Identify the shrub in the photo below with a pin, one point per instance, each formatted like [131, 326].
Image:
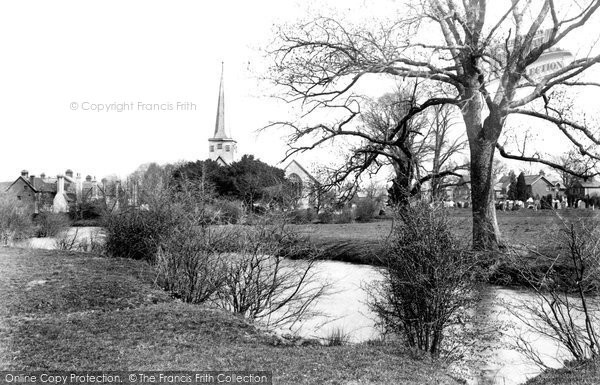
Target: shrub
[337, 337]
[564, 305]
[136, 234]
[50, 224]
[300, 216]
[365, 209]
[90, 210]
[429, 279]
[189, 264]
[344, 216]
[325, 217]
[15, 221]
[261, 283]
[92, 244]
[67, 241]
[228, 211]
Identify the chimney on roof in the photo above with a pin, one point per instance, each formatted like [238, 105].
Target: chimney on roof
[88, 178]
[32, 179]
[43, 176]
[25, 174]
[79, 188]
[542, 173]
[69, 173]
[60, 184]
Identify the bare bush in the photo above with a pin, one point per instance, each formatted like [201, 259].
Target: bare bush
[73, 241]
[15, 222]
[49, 224]
[261, 283]
[190, 265]
[366, 209]
[67, 242]
[565, 307]
[429, 280]
[137, 233]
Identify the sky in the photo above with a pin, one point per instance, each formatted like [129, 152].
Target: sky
[157, 61]
[63, 59]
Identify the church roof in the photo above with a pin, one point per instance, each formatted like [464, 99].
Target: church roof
[220, 131]
[298, 167]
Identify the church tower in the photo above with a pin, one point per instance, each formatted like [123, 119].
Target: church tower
[221, 147]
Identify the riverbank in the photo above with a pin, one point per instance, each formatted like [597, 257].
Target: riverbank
[576, 373]
[67, 311]
[528, 236]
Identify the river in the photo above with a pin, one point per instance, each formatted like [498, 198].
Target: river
[79, 234]
[490, 356]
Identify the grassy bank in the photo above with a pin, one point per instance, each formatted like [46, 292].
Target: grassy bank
[66, 311]
[530, 232]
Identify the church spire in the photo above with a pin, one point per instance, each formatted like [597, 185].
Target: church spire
[221, 146]
[220, 132]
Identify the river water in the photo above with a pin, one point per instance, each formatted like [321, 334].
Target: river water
[79, 234]
[490, 356]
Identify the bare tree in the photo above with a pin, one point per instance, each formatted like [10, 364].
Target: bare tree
[572, 160]
[442, 148]
[422, 151]
[485, 63]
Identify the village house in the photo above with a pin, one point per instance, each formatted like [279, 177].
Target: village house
[58, 194]
[501, 188]
[582, 189]
[539, 186]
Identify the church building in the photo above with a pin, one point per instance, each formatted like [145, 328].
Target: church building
[221, 147]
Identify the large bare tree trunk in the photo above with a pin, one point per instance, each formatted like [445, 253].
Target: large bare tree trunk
[483, 136]
[486, 235]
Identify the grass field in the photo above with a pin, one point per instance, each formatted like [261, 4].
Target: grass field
[362, 242]
[519, 227]
[67, 311]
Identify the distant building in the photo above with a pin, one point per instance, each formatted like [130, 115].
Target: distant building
[501, 187]
[584, 189]
[539, 186]
[221, 147]
[55, 194]
[304, 183]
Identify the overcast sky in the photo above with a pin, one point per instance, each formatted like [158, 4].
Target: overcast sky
[62, 60]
